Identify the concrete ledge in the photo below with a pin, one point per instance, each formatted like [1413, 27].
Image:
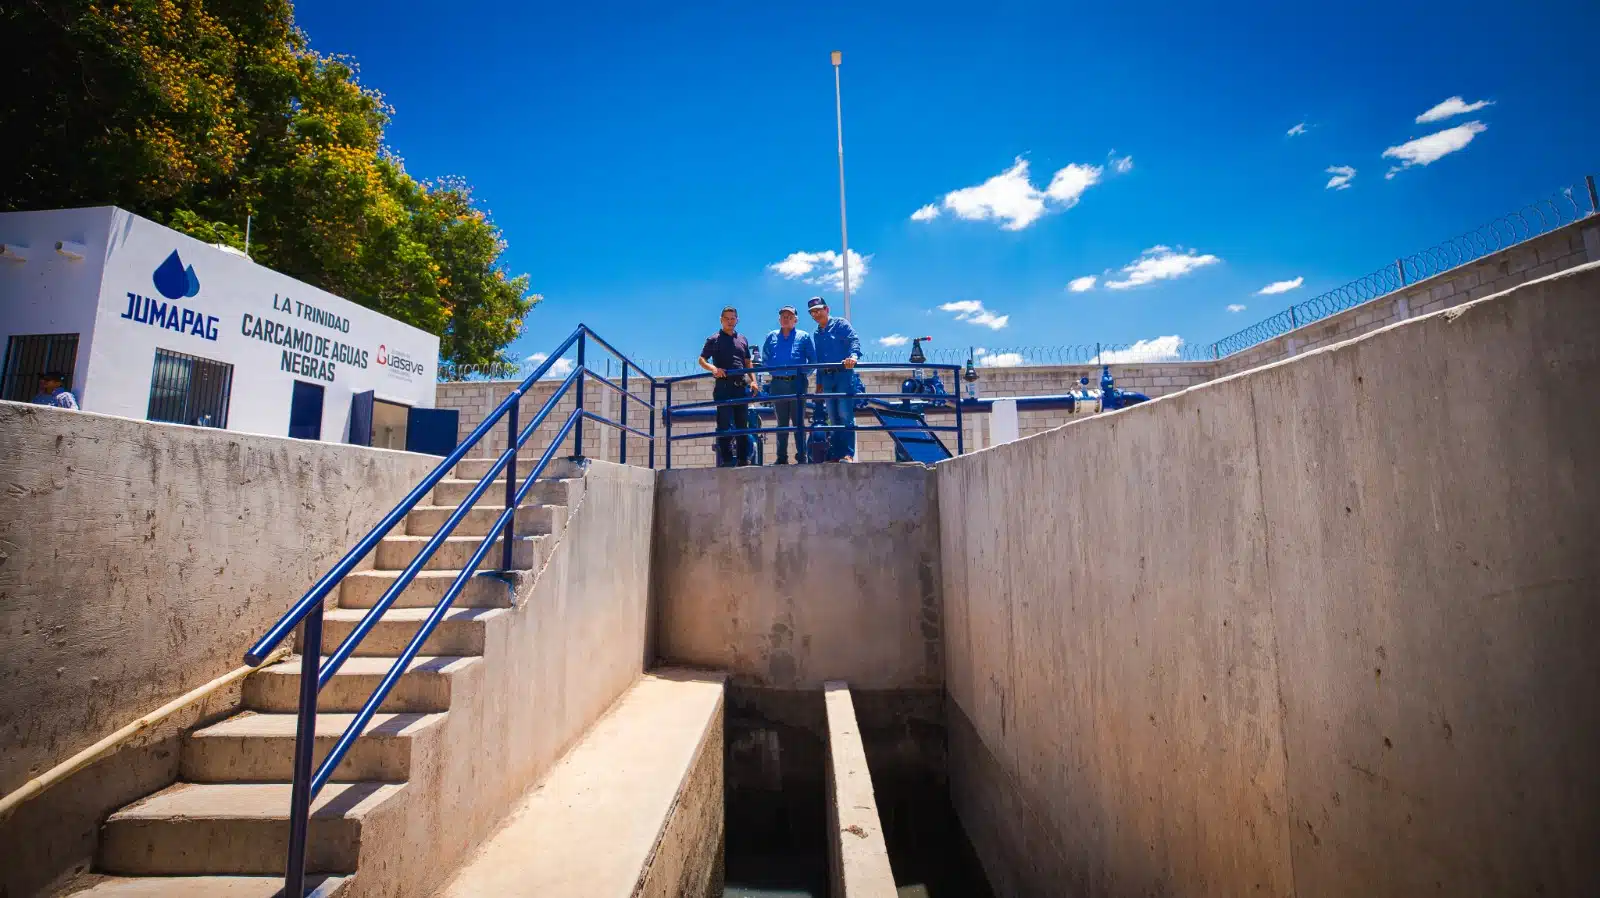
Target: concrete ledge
[857, 855]
[635, 809]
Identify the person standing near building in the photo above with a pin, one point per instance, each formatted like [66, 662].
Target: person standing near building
[788, 345]
[728, 350]
[53, 392]
[836, 342]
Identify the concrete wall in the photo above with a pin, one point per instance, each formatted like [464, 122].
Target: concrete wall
[1325, 628]
[790, 577]
[138, 561]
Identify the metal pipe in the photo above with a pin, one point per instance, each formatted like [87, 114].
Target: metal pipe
[961, 433]
[652, 424]
[622, 440]
[844, 229]
[511, 487]
[577, 436]
[305, 738]
[667, 423]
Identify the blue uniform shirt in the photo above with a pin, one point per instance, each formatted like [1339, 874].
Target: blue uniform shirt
[836, 342]
[778, 350]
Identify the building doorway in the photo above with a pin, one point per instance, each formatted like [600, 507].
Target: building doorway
[305, 411]
[389, 420]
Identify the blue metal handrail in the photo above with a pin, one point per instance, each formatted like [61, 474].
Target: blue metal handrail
[315, 673]
[672, 410]
[336, 574]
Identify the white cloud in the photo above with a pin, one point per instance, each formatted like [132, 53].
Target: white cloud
[1281, 287]
[980, 351]
[1120, 165]
[1159, 263]
[894, 340]
[1011, 198]
[824, 268]
[560, 368]
[1160, 349]
[1001, 360]
[1451, 107]
[973, 312]
[1342, 175]
[1083, 284]
[1297, 130]
[1236, 307]
[1435, 146]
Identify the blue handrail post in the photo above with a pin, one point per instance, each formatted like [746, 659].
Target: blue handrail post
[511, 485]
[652, 423]
[961, 432]
[622, 438]
[583, 374]
[802, 452]
[305, 737]
[667, 422]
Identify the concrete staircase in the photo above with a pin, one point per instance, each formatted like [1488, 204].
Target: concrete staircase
[222, 830]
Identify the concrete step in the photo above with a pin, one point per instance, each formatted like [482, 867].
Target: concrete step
[423, 688]
[195, 829]
[484, 590]
[450, 493]
[532, 520]
[635, 808]
[210, 887]
[460, 633]
[558, 469]
[259, 748]
[395, 552]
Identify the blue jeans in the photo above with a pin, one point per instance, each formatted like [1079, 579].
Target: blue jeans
[841, 443]
[788, 411]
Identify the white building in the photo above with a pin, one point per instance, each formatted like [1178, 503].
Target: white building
[152, 324]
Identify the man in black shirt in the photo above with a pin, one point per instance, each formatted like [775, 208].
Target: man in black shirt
[728, 350]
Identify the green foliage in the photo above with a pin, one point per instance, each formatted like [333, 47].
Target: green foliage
[197, 113]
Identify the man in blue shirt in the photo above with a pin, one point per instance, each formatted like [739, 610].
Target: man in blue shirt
[53, 392]
[836, 341]
[787, 345]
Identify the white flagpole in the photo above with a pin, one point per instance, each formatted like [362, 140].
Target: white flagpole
[844, 230]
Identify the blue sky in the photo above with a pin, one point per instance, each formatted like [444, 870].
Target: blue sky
[650, 163]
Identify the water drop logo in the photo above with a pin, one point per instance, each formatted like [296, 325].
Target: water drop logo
[173, 280]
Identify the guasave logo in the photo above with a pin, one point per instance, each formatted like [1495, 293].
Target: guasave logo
[173, 280]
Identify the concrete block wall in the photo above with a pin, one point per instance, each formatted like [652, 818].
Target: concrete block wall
[1327, 632]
